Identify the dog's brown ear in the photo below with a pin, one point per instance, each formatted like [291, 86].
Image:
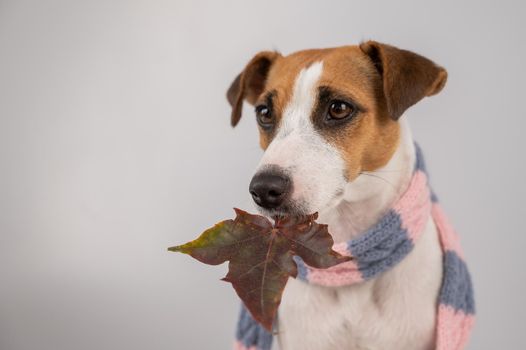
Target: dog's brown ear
[249, 84]
[407, 77]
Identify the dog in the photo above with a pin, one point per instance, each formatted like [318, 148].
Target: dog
[336, 142]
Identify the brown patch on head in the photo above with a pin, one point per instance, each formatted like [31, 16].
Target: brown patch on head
[280, 83]
[381, 81]
[269, 74]
[369, 138]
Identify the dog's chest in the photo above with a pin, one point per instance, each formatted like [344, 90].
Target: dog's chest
[394, 311]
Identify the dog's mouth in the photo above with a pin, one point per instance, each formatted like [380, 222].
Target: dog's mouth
[284, 210]
[299, 208]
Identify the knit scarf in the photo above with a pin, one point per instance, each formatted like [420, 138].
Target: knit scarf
[380, 248]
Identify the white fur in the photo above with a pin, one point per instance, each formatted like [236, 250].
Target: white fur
[315, 166]
[396, 310]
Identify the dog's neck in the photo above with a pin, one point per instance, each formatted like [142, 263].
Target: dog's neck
[371, 194]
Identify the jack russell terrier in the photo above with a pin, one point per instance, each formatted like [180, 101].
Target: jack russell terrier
[330, 122]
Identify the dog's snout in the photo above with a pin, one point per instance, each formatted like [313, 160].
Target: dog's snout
[269, 189]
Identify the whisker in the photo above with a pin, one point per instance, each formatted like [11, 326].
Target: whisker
[347, 218]
[381, 178]
[384, 171]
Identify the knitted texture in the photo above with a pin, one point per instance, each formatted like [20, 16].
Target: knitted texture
[380, 248]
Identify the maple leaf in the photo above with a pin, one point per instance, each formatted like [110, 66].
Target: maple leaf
[260, 255]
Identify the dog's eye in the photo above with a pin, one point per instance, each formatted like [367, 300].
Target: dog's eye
[264, 116]
[339, 110]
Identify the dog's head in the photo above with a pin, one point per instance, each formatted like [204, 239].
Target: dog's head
[326, 116]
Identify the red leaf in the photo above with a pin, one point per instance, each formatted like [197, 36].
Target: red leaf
[260, 256]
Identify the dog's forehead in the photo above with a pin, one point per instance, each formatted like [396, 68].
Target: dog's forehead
[344, 68]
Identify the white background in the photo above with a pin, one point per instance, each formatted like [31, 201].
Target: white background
[115, 143]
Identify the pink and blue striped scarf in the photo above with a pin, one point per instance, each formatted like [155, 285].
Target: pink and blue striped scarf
[380, 248]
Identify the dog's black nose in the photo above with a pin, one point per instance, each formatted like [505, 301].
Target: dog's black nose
[269, 188]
